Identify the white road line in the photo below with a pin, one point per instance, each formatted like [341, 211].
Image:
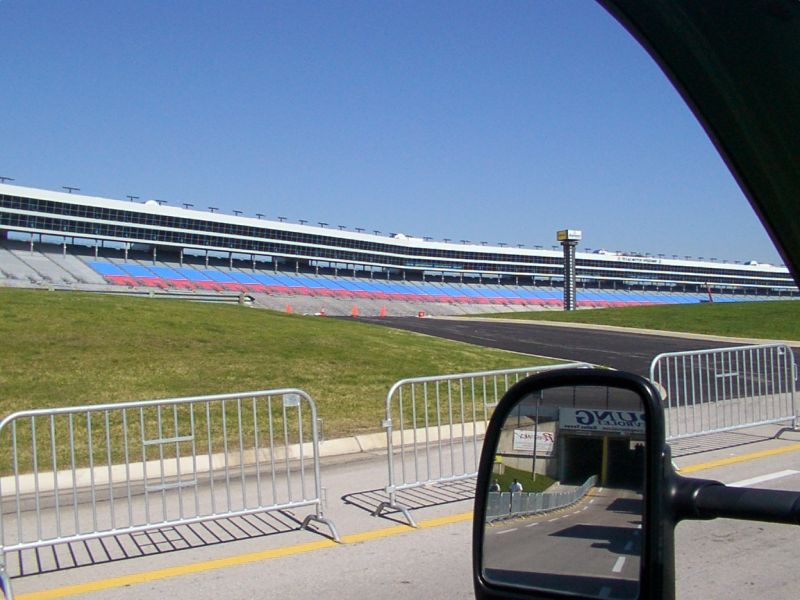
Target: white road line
[506, 531]
[618, 565]
[553, 520]
[763, 478]
[531, 525]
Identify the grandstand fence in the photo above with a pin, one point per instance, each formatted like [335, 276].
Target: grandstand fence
[711, 391]
[434, 425]
[153, 464]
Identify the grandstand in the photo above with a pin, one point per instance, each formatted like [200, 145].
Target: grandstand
[70, 241]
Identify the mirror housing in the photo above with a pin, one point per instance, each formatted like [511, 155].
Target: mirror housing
[656, 567]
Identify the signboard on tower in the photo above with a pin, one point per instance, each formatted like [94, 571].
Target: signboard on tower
[569, 235]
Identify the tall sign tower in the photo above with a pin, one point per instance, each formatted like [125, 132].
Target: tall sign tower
[569, 239]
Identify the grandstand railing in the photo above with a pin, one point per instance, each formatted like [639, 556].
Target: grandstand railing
[710, 391]
[434, 425]
[74, 474]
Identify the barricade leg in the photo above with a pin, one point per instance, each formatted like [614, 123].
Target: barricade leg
[392, 503]
[319, 518]
[5, 584]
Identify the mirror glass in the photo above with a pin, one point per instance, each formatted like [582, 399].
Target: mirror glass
[564, 504]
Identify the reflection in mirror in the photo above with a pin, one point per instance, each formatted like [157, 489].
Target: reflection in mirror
[564, 506]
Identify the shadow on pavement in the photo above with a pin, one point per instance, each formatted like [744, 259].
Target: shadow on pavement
[71, 555]
[718, 441]
[415, 498]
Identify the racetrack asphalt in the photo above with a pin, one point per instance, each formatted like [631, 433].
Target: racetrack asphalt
[624, 350]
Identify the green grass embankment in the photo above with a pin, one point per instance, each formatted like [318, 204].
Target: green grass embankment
[773, 320]
[66, 349]
[539, 483]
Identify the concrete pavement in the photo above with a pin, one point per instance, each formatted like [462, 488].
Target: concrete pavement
[391, 560]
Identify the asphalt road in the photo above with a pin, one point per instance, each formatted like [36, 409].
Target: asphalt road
[620, 350]
[592, 547]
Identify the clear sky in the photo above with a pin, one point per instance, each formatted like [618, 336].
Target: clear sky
[476, 120]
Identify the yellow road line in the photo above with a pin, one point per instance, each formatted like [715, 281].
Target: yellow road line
[732, 460]
[232, 561]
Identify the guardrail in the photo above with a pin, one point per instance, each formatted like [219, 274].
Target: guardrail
[433, 425]
[710, 391]
[506, 505]
[87, 472]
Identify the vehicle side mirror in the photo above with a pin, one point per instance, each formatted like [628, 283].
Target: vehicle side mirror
[570, 496]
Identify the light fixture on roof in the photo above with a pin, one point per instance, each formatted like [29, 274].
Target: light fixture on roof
[132, 198]
[4, 179]
[70, 189]
[259, 215]
[281, 219]
[188, 205]
[213, 208]
[236, 213]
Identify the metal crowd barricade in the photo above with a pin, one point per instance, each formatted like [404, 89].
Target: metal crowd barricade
[74, 474]
[433, 426]
[710, 391]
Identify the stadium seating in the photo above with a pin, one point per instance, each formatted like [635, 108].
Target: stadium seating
[424, 296]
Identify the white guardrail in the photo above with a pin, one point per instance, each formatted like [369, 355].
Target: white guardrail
[146, 465]
[434, 426]
[507, 505]
[710, 391]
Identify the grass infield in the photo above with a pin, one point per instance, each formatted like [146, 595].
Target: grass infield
[774, 320]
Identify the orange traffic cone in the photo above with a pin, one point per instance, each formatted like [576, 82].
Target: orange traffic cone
[354, 312]
[288, 309]
[383, 311]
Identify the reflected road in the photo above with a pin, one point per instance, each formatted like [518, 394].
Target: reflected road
[594, 545]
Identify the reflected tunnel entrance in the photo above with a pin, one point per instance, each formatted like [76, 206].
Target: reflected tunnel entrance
[617, 461]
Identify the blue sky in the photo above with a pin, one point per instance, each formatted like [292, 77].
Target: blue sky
[485, 121]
